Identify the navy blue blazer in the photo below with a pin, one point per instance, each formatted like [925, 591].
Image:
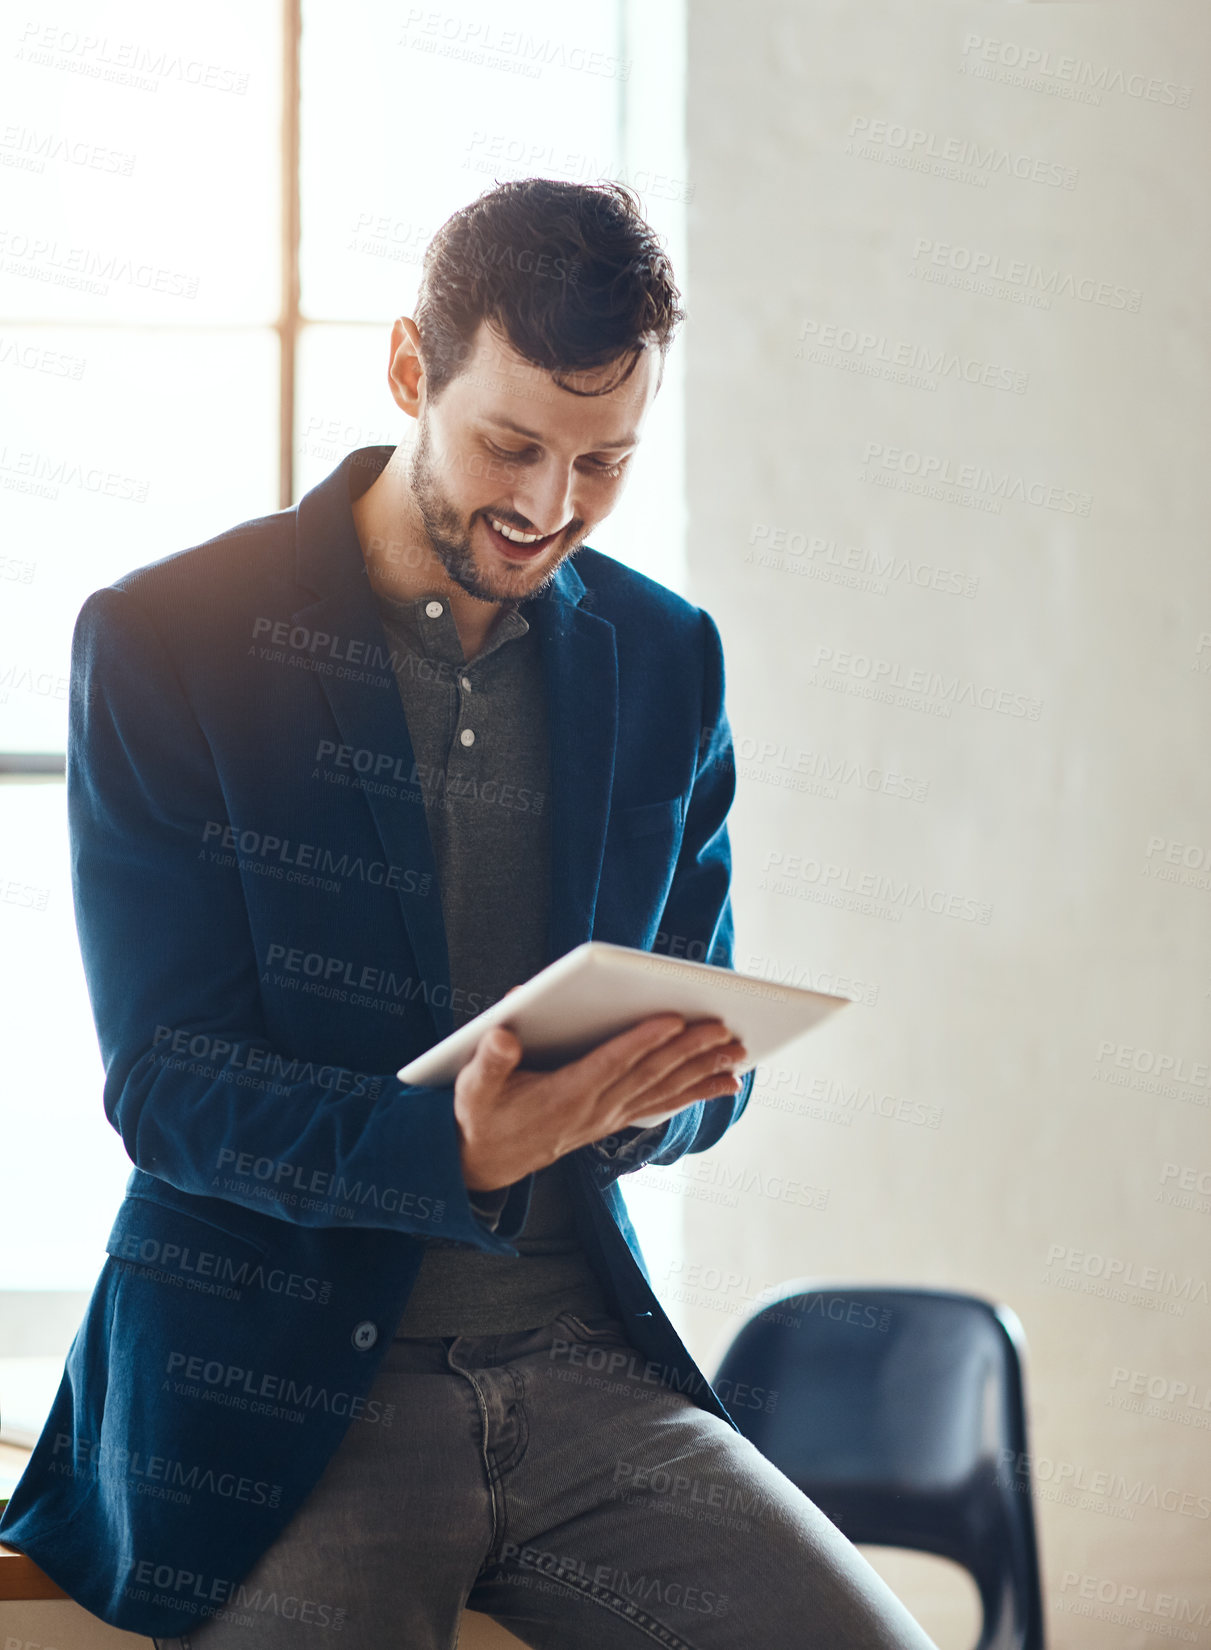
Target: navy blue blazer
[261, 930]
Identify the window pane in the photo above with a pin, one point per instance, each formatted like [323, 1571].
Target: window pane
[343, 399]
[443, 105]
[141, 162]
[63, 1166]
[116, 448]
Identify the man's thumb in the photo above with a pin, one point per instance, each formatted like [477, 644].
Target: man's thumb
[501, 1048]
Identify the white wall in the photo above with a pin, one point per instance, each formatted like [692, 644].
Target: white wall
[1054, 802]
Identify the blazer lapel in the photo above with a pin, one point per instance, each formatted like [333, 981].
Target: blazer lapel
[367, 708]
[580, 671]
[370, 716]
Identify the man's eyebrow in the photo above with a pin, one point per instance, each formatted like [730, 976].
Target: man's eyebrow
[630, 440]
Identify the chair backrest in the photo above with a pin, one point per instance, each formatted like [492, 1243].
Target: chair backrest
[900, 1413]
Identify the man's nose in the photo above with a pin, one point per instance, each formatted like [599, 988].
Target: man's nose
[545, 500]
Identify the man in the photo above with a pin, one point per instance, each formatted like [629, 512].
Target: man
[337, 779]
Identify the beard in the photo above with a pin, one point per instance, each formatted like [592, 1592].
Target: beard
[451, 541]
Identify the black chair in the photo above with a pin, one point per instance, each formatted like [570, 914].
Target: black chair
[900, 1413]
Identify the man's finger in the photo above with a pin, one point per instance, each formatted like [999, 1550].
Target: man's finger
[704, 1066]
[723, 1086]
[676, 1062]
[604, 1064]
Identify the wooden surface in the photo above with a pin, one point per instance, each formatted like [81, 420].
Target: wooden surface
[20, 1577]
[22, 1581]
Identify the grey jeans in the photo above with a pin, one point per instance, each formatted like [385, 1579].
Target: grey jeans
[546, 1478]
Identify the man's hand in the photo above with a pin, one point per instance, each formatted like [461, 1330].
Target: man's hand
[512, 1122]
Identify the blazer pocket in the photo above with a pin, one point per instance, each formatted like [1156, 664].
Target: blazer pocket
[181, 1246]
[647, 818]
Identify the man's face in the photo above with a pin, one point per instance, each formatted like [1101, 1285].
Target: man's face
[505, 446]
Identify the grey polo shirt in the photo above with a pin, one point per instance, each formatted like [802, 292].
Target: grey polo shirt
[480, 745]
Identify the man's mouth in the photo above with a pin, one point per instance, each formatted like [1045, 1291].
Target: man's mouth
[513, 543]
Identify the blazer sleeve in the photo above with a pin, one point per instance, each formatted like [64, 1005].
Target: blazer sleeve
[165, 943]
[697, 911]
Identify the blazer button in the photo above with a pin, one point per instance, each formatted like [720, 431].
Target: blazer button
[365, 1335]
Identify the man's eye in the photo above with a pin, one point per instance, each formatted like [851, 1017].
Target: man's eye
[601, 465]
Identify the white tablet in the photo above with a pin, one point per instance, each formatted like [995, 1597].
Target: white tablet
[597, 990]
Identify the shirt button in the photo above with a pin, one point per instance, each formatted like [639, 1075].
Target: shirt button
[467, 736]
[466, 682]
[365, 1335]
[434, 609]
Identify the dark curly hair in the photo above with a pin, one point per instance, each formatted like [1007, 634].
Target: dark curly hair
[570, 273]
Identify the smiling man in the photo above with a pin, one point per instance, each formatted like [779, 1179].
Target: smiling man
[483, 496]
[569, 471]
[362, 1351]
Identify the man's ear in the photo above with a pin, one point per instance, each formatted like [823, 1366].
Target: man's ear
[405, 370]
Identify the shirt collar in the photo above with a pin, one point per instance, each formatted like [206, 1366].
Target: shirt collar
[435, 635]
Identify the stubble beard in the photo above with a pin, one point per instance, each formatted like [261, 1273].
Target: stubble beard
[451, 542]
